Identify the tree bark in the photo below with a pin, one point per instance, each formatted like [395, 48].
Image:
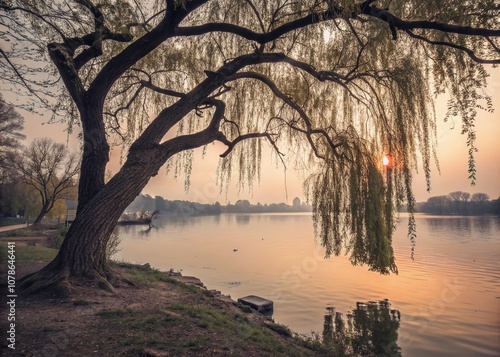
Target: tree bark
[82, 256]
[95, 154]
[83, 252]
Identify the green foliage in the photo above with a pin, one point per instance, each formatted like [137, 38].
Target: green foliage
[280, 329]
[352, 203]
[144, 275]
[33, 255]
[342, 83]
[242, 328]
[150, 328]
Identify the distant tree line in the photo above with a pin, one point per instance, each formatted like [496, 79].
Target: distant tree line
[244, 206]
[461, 203]
[146, 203]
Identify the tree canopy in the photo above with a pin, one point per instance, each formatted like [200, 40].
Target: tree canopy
[336, 84]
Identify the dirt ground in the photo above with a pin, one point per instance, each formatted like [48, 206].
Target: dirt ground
[164, 318]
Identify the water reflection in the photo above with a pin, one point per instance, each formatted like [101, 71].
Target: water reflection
[175, 220]
[145, 232]
[130, 230]
[371, 329]
[284, 258]
[462, 226]
[458, 224]
[137, 230]
[242, 219]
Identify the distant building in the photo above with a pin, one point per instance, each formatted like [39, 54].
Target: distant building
[296, 202]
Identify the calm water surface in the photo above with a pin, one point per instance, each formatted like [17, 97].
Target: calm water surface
[448, 296]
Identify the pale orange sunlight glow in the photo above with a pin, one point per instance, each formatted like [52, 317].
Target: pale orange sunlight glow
[280, 185]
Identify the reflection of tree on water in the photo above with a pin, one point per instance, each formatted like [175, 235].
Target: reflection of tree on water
[464, 227]
[371, 330]
[151, 225]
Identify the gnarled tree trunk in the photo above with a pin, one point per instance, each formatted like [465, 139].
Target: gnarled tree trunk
[82, 255]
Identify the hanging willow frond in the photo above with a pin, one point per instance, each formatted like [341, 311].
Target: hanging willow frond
[337, 84]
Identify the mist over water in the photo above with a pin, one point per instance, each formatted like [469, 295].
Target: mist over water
[448, 297]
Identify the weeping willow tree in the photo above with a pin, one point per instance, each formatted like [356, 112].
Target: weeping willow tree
[334, 83]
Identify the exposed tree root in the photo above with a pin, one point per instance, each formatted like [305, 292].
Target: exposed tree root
[59, 282]
[46, 281]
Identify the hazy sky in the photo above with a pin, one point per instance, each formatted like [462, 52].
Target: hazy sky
[452, 154]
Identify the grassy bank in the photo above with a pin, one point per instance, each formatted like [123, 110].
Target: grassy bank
[159, 317]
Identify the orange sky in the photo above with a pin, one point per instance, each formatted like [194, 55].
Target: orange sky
[452, 154]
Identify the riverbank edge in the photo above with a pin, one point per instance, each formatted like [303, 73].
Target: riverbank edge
[136, 320]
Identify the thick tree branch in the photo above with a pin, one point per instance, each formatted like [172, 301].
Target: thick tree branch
[396, 23]
[94, 40]
[140, 48]
[168, 117]
[469, 52]
[231, 144]
[206, 136]
[192, 141]
[400, 24]
[95, 49]
[310, 131]
[62, 53]
[261, 38]
[63, 60]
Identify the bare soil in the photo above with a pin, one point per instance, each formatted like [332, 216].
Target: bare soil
[163, 318]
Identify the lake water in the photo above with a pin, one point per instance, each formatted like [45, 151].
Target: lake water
[448, 297]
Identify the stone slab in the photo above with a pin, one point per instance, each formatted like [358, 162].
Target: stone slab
[256, 302]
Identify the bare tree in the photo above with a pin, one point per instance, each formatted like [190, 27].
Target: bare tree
[341, 82]
[480, 197]
[479, 202]
[50, 170]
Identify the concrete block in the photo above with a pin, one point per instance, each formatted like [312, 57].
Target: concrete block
[257, 303]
